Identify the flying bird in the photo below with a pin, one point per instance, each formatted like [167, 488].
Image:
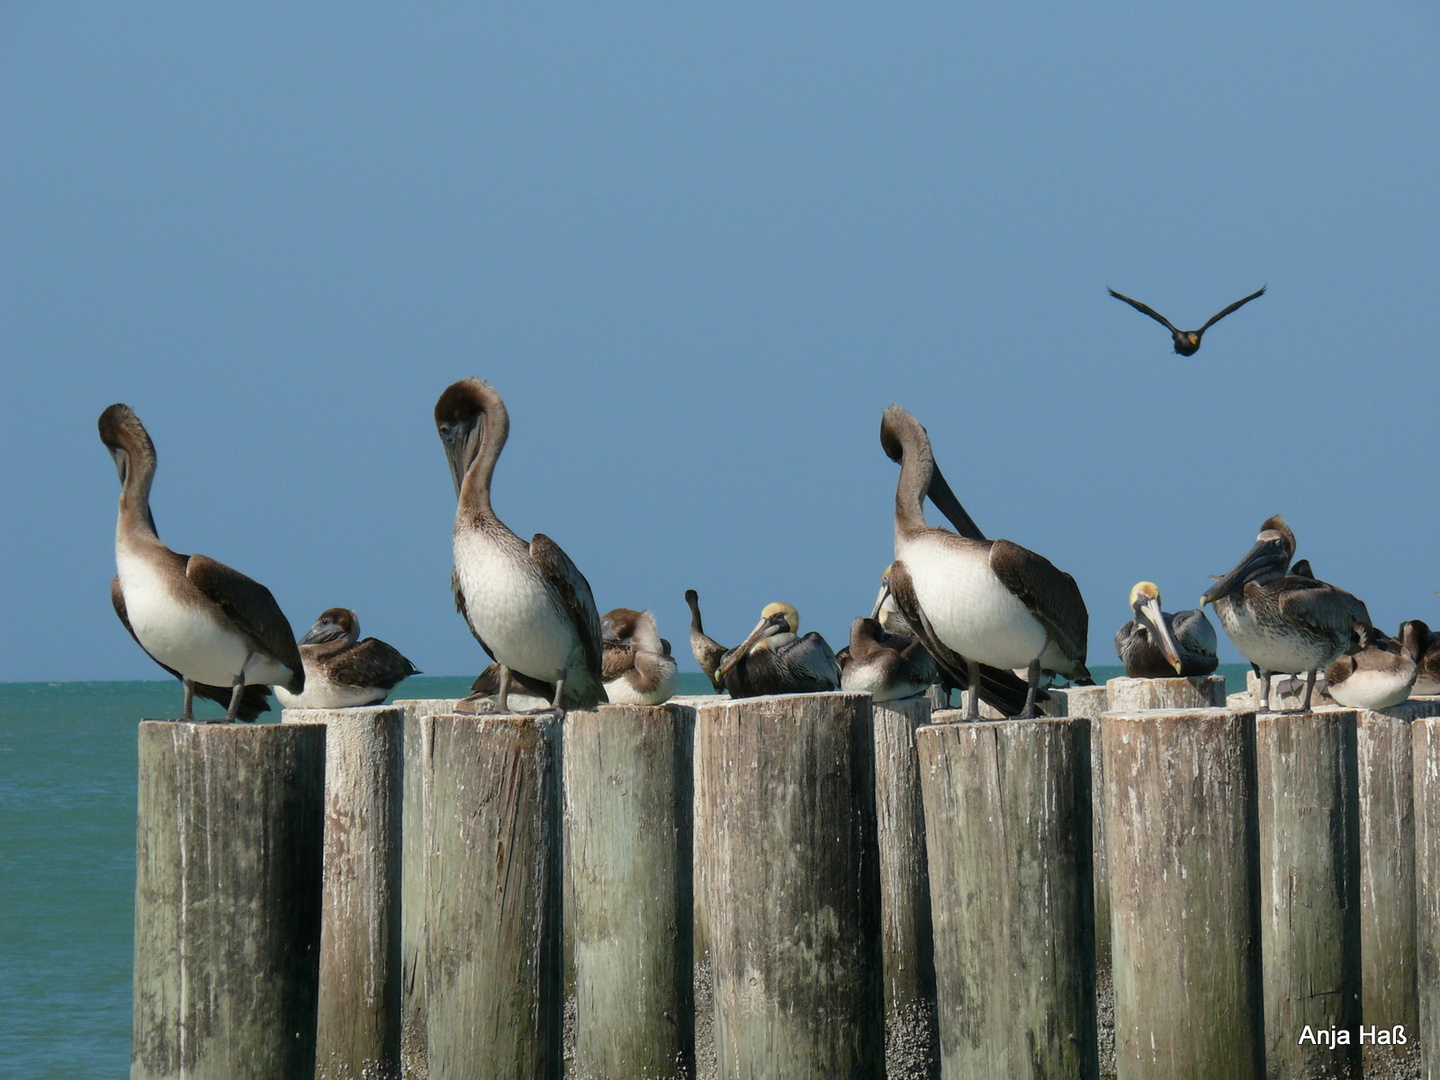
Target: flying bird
[1187, 342]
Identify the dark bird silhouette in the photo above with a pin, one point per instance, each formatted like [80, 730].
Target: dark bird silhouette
[1187, 342]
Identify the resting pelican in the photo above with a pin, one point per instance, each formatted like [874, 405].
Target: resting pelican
[638, 667]
[341, 671]
[1380, 675]
[974, 601]
[773, 660]
[529, 607]
[1281, 622]
[1187, 342]
[886, 665]
[1157, 645]
[1424, 646]
[707, 651]
[217, 631]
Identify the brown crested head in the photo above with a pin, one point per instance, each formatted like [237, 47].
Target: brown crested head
[866, 635]
[462, 401]
[120, 429]
[1275, 529]
[334, 624]
[1414, 637]
[620, 623]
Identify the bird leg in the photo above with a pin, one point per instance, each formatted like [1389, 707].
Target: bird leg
[188, 713]
[556, 707]
[1264, 705]
[502, 698]
[972, 693]
[1034, 680]
[236, 693]
[1309, 689]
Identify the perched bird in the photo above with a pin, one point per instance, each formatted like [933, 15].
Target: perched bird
[976, 602]
[341, 671]
[886, 665]
[638, 668]
[1424, 647]
[1378, 676]
[529, 607]
[774, 660]
[217, 631]
[1157, 645]
[1187, 342]
[1281, 622]
[707, 651]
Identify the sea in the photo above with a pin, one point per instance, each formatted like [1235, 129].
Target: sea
[68, 768]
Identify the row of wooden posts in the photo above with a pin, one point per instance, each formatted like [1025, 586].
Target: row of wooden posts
[806, 886]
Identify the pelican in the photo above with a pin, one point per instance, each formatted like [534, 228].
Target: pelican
[1279, 621]
[1380, 675]
[1187, 342]
[774, 660]
[529, 607]
[638, 667]
[1156, 645]
[885, 665]
[707, 651]
[1424, 646]
[217, 631]
[975, 601]
[342, 671]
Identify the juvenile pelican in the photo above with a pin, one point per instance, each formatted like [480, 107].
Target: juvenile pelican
[1281, 622]
[217, 631]
[341, 671]
[974, 601]
[529, 607]
[707, 651]
[1424, 646]
[638, 667]
[1157, 645]
[773, 660]
[886, 665]
[1380, 675]
[1187, 342]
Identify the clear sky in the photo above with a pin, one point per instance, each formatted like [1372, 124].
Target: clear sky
[698, 248]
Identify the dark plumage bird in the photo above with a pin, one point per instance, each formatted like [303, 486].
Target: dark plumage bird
[637, 666]
[886, 665]
[775, 660]
[341, 670]
[707, 651]
[1424, 646]
[217, 631]
[1158, 645]
[1187, 342]
[1379, 675]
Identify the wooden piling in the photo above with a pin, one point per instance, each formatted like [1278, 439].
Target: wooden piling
[1181, 841]
[1131, 695]
[628, 808]
[1307, 796]
[1007, 809]
[491, 839]
[792, 886]
[227, 901]
[1090, 702]
[1425, 749]
[912, 1041]
[358, 1031]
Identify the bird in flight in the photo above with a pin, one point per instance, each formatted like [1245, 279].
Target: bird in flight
[1187, 342]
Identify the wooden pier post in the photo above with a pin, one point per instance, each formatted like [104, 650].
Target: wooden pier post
[492, 838]
[912, 1038]
[1180, 833]
[792, 886]
[1089, 702]
[1425, 748]
[628, 809]
[1132, 695]
[1007, 809]
[1307, 794]
[358, 1029]
[227, 901]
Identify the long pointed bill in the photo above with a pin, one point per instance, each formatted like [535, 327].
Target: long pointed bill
[762, 629]
[880, 598]
[946, 502]
[1155, 619]
[321, 633]
[1264, 556]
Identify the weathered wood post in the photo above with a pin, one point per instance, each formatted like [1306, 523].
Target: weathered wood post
[358, 1028]
[792, 886]
[1307, 794]
[1131, 695]
[628, 808]
[492, 920]
[413, 1062]
[912, 1039]
[1007, 815]
[1425, 747]
[1180, 834]
[1089, 702]
[227, 901]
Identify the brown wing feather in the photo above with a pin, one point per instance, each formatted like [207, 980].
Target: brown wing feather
[252, 609]
[579, 604]
[1237, 304]
[1050, 594]
[618, 658]
[1321, 608]
[371, 662]
[1147, 310]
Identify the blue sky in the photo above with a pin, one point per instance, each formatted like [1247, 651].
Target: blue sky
[698, 249]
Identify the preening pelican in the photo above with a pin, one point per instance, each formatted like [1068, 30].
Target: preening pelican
[638, 667]
[774, 660]
[342, 671]
[1157, 645]
[1187, 342]
[886, 665]
[707, 651]
[1380, 675]
[1424, 646]
[217, 631]
[529, 607]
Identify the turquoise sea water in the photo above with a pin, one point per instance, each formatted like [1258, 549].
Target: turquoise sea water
[67, 864]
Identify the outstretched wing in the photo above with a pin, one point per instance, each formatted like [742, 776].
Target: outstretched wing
[1236, 305]
[1146, 309]
[1049, 594]
[578, 603]
[251, 608]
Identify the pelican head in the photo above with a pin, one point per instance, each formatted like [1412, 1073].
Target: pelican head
[777, 621]
[334, 624]
[1145, 602]
[461, 415]
[126, 439]
[1263, 563]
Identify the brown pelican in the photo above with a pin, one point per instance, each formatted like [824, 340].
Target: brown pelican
[1380, 675]
[974, 601]
[886, 665]
[341, 671]
[1157, 645]
[773, 660]
[529, 607]
[1281, 622]
[707, 651]
[217, 631]
[1424, 646]
[1187, 342]
[638, 667]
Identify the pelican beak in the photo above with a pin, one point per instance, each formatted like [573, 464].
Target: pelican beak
[1150, 612]
[1266, 559]
[320, 633]
[763, 629]
[880, 598]
[458, 440]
